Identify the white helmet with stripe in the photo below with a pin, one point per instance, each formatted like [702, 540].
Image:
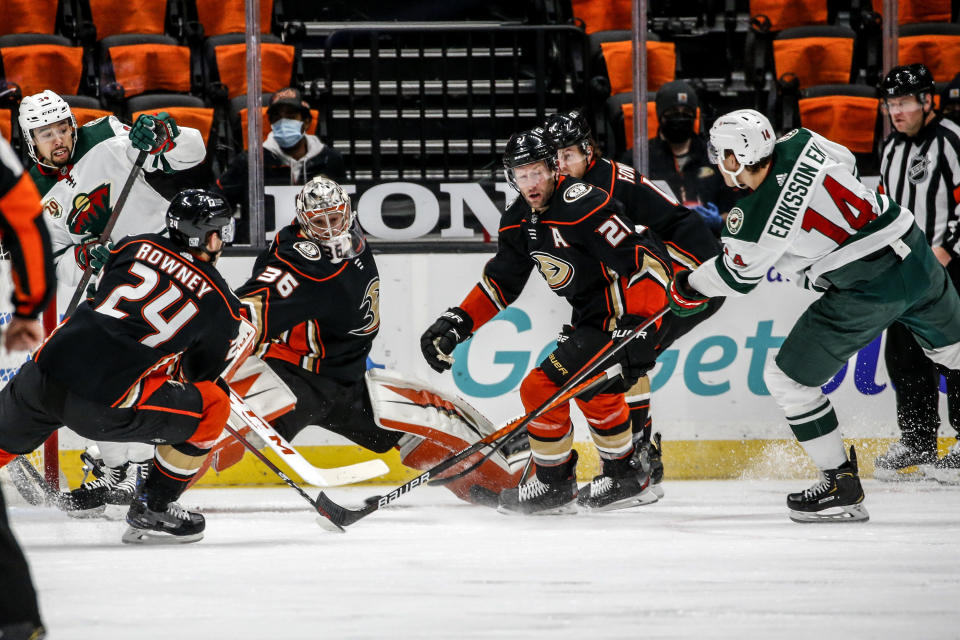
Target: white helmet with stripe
[40, 110]
[746, 133]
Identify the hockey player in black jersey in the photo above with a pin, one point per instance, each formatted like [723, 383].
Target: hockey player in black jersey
[687, 237]
[314, 297]
[613, 273]
[141, 362]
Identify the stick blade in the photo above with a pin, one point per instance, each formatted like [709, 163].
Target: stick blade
[338, 476]
[341, 516]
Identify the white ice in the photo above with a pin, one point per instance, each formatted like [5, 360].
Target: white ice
[711, 560]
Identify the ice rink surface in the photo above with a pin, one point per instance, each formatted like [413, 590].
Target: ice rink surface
[716, 559]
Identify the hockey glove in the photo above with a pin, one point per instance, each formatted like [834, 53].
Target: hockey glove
[93, 253]
[684, 299]
[438, 342]
[640, 354]
[154, 134]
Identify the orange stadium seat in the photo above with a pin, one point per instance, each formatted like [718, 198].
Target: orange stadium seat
[189, 111]
[225, 57]
[603, 15]
[37, 62]
[114, 17]
[6, 124]
[85, 109]
[815, 55]
[784, 14]
[936, 45]
[910, 11]
[618, 57]
[28, 16]
[843, 113]
[133, 64]
[229, 16]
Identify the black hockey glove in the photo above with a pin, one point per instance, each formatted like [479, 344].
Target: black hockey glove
[684, 299]
[640, 354]
[437, 343]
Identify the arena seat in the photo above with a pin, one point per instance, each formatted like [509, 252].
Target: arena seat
[225, 61]
[133, 64]
[114, 17]
[815, 55]
[613, 51]
[847, 114]
[911, 11]
[189, 111]
[36, 62]
[28, 16]
[784, 14]
[220, 17]
[936, 45]
[85, 108]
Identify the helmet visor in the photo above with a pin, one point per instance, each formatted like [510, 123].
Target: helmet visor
[713, 154]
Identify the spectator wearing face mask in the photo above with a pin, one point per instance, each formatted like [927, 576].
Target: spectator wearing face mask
[291, 156]
[679, 156]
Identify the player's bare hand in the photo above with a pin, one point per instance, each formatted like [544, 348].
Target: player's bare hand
[942, 255]
[22, 334]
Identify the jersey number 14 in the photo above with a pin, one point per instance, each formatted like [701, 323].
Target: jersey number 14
[848, 203]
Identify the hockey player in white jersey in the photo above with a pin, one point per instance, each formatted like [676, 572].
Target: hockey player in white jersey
[809, 214]
[80, 172]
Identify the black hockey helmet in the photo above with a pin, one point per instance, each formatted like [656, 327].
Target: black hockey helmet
[568, 129]
[525, 148]
[195, 213]
[907, 80]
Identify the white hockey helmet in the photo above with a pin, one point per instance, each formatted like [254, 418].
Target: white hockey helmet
[40, 110]
[326, 215]
[745, 133]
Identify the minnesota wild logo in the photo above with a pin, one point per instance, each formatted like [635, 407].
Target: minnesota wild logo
[90, 211]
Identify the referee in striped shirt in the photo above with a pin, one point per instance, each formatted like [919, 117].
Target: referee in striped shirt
[920, 169]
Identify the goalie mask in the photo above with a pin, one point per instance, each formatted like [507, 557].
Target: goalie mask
[747, 134]
[326, 216]
[40, 110]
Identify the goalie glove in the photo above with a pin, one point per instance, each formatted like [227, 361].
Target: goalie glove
[684, 299]
[437, 343]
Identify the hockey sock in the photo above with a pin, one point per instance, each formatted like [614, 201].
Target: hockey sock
[817, 431]
[609, 420]
[174, 466]
[638, 400]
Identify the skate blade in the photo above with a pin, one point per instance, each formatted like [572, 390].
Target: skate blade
[907, 474]
[949, 477]
[149, 537]
[86, 514]
[648, 496]
[851, 513]
[566, 509]
[657, 490]
[116, 511]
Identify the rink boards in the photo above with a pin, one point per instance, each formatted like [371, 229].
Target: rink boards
[709, 399]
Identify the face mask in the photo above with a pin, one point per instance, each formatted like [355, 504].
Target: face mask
[287, 132]
[677, 129]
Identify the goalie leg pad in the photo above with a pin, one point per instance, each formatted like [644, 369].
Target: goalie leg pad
[439, 425]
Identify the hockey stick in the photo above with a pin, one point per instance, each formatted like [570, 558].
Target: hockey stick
[315, 476]
[584, 378]
[326, 521]
[107, 230]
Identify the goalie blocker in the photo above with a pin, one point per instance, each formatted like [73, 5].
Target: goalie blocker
[425, 425]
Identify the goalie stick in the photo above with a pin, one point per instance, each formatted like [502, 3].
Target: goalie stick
[316, 476]
[341, 516]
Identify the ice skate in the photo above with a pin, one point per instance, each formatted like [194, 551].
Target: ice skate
[89, 500]
[945, 470]
[622, 485]
[838, 497]
[535, 497]
[176, 525]
[901, 463]
[651, 458]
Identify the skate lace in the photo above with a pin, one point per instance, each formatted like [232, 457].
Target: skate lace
[178, 512]
[131, 477]
[818, 489]
[111, 476]
[601, 485]
[532, 489]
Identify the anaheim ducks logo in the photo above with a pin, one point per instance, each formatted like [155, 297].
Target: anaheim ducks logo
[555, 271]
[370, 308]
[90, 211]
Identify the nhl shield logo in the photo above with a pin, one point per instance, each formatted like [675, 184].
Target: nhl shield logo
[917, 169]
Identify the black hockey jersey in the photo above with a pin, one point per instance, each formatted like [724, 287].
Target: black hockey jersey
[587, 251]
[156, 309]
[688, 238]
[310, 311]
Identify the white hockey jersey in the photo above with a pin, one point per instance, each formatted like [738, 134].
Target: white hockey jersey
[79, 198]
[809, 216]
